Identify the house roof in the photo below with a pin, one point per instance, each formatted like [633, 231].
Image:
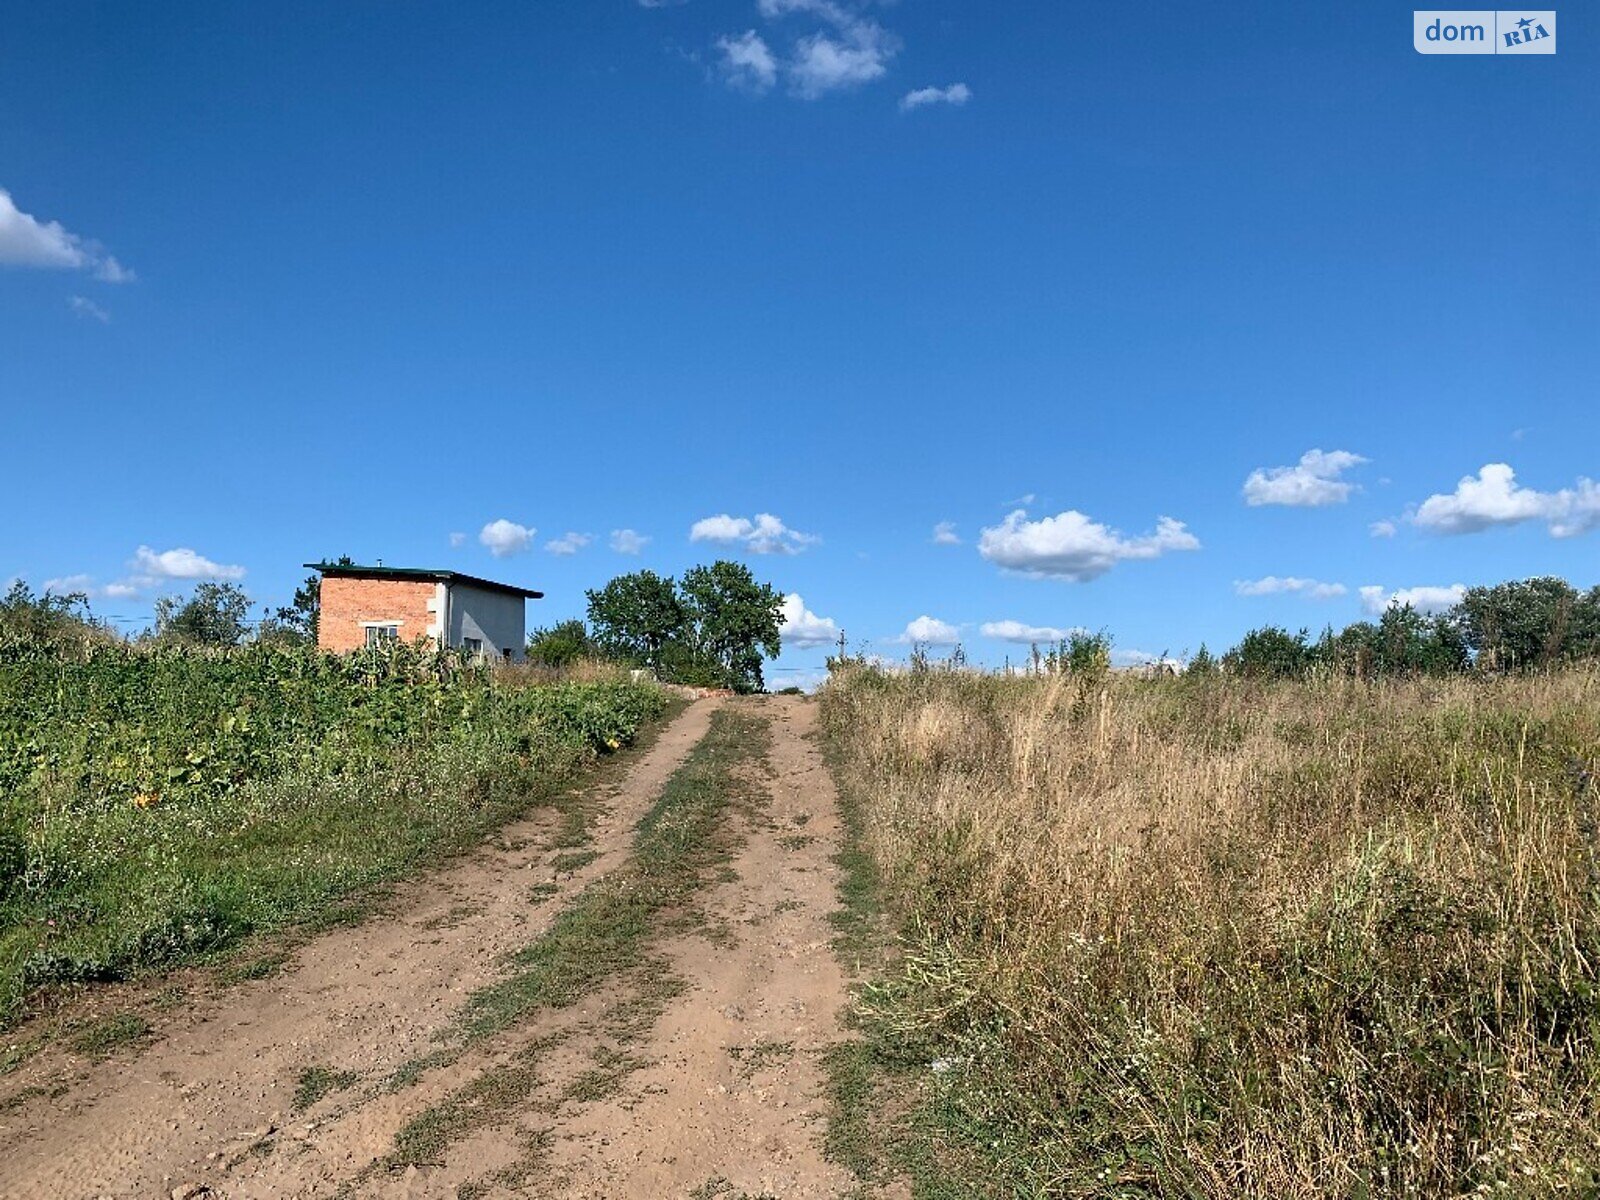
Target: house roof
[339, 571]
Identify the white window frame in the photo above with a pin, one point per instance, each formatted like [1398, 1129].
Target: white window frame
[372, 639]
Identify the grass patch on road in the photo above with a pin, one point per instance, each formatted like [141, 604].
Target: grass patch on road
[110, 1034]
[318, 1081]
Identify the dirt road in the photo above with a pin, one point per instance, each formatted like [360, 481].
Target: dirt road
[693, 1073]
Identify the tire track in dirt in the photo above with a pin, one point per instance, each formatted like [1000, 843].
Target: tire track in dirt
[720, 1094]
[211, 1102]
[732, 1104]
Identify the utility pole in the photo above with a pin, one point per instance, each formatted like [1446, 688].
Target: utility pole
[841, 647]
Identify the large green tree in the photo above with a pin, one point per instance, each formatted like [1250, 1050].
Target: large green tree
[635, 616]
[1531, 623]
[733, 621]
[712, 629]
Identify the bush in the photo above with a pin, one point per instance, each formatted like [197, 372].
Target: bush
[560, 645]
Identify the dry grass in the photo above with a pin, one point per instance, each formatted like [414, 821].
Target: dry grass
[583, 670]
[1214, 937]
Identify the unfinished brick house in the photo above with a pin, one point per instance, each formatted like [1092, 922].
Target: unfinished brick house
[367, 606]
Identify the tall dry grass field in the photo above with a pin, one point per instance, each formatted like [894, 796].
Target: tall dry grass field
[1223, 938]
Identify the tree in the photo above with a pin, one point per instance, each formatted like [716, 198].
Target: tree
[298, 620]
[560, 645]
[635, 616]
[1532, 623]
[732, 621]
[710, 631]
[46, 616]
[1270, 653]
[1408, 643]
[215, 615]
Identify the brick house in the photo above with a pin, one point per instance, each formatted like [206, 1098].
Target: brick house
[367, 606]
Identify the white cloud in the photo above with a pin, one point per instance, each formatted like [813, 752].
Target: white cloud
[151, 566]
[505, 538]
[1494, 497]
[1381, 529]
[956, 94]
[1025, 635]
[1273, 585]
[802, 627]
[86, 307]
[931, 631]
[1424, 599]
[628, 541]
[823, 63]
[1071, 546]
[764, 535]
[852, 50]
[26, 241]
[109, 270]
[1312, 483]
[944, 534]
[569, 543]
[826, 9]
[458, 540]
[120, 590]
[69, 583]
[748, 62]
[807, 679]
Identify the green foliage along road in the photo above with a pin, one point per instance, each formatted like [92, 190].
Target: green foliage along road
[159, 803]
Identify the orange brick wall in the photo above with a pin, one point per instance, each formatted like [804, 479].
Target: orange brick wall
[346, 603]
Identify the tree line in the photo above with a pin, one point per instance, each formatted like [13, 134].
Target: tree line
[710, 628]
[1530, 624]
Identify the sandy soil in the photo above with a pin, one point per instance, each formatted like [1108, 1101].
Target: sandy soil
[712, 1089]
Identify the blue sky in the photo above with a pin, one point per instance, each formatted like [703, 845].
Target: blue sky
[1085, 283]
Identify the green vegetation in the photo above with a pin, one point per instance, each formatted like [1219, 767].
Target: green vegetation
[110, 1034]
[710, 629]
[159, 803]
[215, 614]
[1534, 624]
[47, 618]
[317, 1082]
[1223, 936]
[560, 645]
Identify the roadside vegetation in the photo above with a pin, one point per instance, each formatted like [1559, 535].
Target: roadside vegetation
[161, 800]
[1229, 933]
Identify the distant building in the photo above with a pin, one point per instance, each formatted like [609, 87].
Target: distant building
[368, 606]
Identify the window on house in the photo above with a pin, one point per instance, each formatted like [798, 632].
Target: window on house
[472, 645]
[506, 654]
[380, 635]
